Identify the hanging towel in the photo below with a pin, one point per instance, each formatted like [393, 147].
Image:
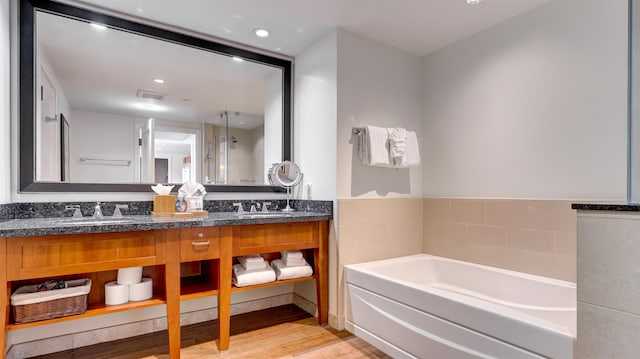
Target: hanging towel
[397, 142]
[283, 272]
[412, 152]
[373, 150]
[243, 278]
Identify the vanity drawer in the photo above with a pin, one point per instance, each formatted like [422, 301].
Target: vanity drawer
[264, 238]
[46, 256]
[199, 243]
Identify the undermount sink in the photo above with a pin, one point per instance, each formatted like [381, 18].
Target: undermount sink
[264, 214]
[95, 221]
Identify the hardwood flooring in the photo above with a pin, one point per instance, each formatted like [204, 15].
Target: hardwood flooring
[281, 332]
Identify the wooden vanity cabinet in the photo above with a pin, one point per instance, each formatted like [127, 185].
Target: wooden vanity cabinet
[160, 252]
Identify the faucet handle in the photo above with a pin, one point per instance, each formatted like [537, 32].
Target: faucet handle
[76, 210]
[240, 209]
[265, 207]
[97, 213]
[116, 212]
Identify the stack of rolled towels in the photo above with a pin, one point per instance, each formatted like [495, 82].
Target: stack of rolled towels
[129, 286]
[291, 265]
[252, 270]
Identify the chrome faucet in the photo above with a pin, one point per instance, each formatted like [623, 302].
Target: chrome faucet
[117, 213]
[76, 210]
[240, 209]
[97, 213]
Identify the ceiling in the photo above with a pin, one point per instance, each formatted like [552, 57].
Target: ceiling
[417, 26]
[116, 65]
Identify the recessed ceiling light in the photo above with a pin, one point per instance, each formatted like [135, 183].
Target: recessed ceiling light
[261, 32]
[98, 26]
[158, 81]
[237, 59]
[473, 2]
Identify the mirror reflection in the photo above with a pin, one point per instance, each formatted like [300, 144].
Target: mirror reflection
[134, 109]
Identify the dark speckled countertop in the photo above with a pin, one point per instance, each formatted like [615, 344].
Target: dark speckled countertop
[56, 226]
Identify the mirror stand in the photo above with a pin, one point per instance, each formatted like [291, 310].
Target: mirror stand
[288, 208]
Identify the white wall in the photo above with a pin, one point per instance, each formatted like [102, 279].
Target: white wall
[100, 135]
[315, 110]
[5, 111]
[377, 85]
[531, 108]
[272, 123]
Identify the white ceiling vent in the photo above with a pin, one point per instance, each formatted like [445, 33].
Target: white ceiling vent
[151, 94]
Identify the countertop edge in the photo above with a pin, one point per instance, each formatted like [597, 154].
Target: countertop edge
[606, 207]
[17, 227]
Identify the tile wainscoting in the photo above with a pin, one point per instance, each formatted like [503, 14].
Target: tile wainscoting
[531, 236]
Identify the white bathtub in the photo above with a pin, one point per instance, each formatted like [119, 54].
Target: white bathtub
[424, 306]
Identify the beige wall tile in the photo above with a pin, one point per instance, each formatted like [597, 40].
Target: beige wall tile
[398, 210]
[356, 211]
[469, 211]
[608, 263]
[508, 213]
[369, 242]
[565, 268]
[530, 262]
[566, 243]
[606, 333]
[552, 215]
[531, 240]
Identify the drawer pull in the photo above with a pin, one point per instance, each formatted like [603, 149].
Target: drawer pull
[200, 235]
[204, 243]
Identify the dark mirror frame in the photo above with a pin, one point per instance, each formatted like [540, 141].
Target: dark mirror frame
[27, 45]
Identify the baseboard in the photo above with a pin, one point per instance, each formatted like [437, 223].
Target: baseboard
[86, 338]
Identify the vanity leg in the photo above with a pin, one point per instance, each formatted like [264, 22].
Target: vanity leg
[172, 290]
[321, 260]
[224, 290]
[4, 297]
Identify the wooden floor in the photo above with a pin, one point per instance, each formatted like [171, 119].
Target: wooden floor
[282, 332]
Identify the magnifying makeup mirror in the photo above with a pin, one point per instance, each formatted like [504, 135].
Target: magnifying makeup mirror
[285, 174]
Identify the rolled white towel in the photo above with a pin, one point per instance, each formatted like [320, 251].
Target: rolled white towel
[243, 278]
[294, 262]
[291, 254]
[252, 264]
[252, 258]
[283, 272]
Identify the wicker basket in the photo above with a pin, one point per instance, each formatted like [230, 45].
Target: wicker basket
[29, 305]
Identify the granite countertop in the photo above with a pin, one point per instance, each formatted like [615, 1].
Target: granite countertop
[57, 226]
[606, 207]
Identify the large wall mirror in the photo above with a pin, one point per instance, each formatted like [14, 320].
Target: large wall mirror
[107, 104]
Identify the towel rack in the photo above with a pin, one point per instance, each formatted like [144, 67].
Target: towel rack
[356, 130]
[110, 161]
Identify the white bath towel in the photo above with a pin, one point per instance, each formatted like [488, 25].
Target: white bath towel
[291, 254]
[283, 272]
[397, 142]
[252, 264]
[252, 258]
[243, 278]
[412, 152]
[373, 146]
[293, 262]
